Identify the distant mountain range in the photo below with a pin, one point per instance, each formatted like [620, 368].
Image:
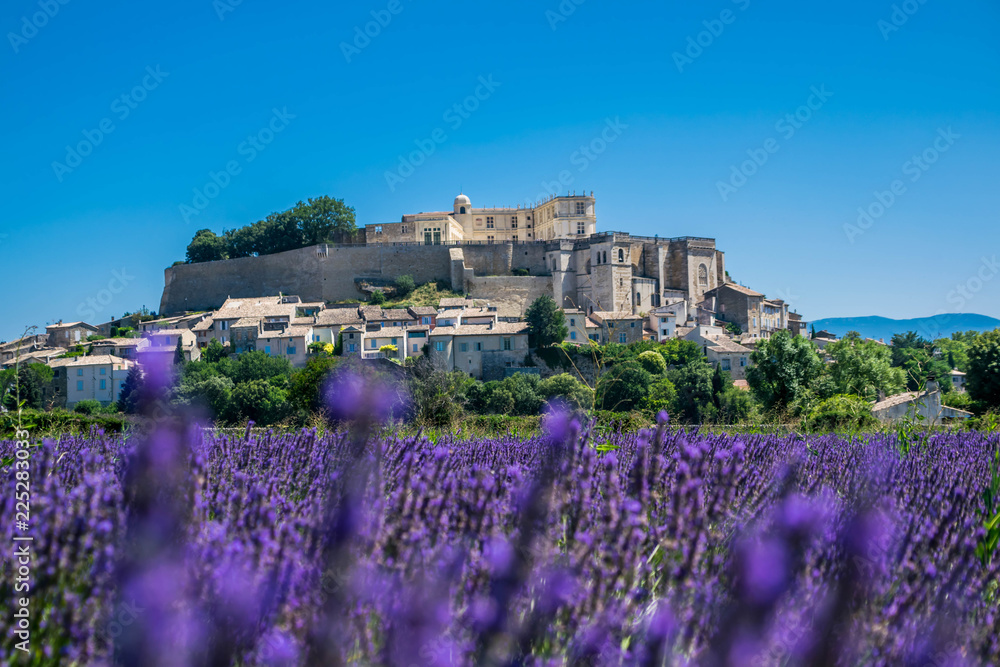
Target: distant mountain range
[940, 326]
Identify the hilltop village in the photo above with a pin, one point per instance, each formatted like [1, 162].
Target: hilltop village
[491, 262]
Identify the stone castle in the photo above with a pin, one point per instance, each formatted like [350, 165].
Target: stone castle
[509, 256]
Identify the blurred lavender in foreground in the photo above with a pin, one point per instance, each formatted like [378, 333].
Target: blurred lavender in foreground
[357, 547]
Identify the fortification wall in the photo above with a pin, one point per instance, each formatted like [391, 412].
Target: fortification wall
[512, 293]
[317, 273]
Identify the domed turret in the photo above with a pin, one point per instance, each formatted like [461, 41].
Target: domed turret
[463, 205]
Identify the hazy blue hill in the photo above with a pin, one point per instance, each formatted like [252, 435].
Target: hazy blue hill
[941, 326]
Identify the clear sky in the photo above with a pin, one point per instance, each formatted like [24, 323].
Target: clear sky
[688, 93]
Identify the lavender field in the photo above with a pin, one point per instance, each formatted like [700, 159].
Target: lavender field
[664, 547]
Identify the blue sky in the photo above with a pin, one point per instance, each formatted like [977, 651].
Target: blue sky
[923, 82]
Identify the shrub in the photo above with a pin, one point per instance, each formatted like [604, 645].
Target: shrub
[377, 298]
[623, 388]
[842, 412]
[564, 386]
[652, 362]
[405, 286]
[87, 407]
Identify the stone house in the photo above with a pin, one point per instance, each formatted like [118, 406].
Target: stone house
[95, 378]
[618, 327]
[958, 381]
[125, 348]
[926, 404]
[69, 334]
[720, 349]
[739, 305]
[164, 341]
[479, 349]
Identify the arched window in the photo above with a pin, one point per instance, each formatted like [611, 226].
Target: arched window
[605, 261]
[462, 210]
[703, 275]
[638, 298]
[621, 255]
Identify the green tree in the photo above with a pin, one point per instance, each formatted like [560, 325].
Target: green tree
[678, 352]
[307, 383]
[405, 286]
[546, 322]
[214, 352]
[28, 385]
[206, 247]
[623, 387]
[179, 352]
[567, 388]
[652, 362]
[734, 329]
[260, 402]
[377, 298]
[523, 388]
[257, 365]
[695, 402]
[840, 412]
[782, 369]
[662, 396]
[863, 368]
[131, 392]
[983, 377]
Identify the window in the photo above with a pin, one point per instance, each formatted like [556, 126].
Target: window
[621, 255]
[638, 298]
[490, 222]
[743, 362]
[461, 211]
[414, 347]
[439, 346]
[402, 229]
[378, 229]
[632, 325]
[703, 275]
[374, 344]
[79, 385]
[267, 349]
[506, 343]
[572, 335]
[605, 260]
[79, 372]
[479, 347]
[572, 321]
[489, 239]
[581, 228]
[726, 365]
[104, 384]
[594, 337]
[513, 222]
[622, 338]
[428, 239]
[464, 347]
[291, 349]
[225, 327]
[514, 238]
[315, 339]
[104, 371]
